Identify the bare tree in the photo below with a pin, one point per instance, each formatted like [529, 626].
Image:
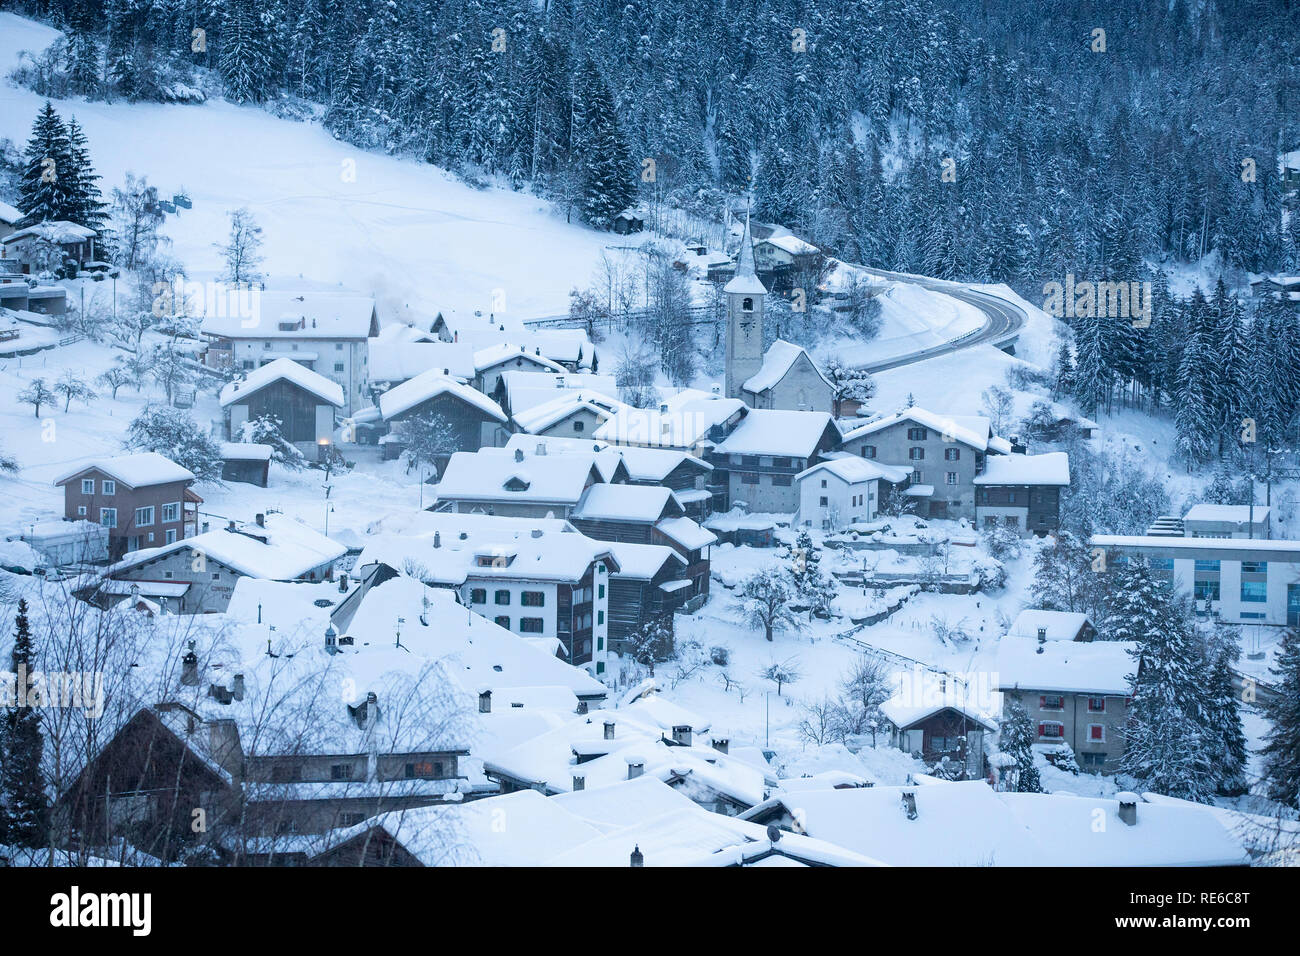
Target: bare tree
[766, 596]
[785, 672]
[37, 394]
[243, 249]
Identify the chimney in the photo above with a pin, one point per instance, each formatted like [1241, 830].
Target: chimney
[579, 783]
[237, 690]
[260, 518]
[1042, 635]
[609, 730]
[485, 702]
[638, 858]
[582, 707]
[909, 803]
[1128, 807]
[190, 668]
[343, 582]
[331, 640]
[537, 532]
[716, 390]
[519, 454]
[682, 734]
[205, 527]
[437, 539]
[635, 767]
[541, 448]
[721, 744]
[231, 525]
[663, 408]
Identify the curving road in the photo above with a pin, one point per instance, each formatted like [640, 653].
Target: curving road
[1002, 320]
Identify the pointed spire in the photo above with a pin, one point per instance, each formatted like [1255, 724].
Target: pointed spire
[746, 280]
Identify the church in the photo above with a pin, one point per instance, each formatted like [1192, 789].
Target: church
[782, 377]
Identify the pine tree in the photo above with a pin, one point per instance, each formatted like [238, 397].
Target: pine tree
[23, 809]
[1229, 748]
[1016, 739]
[1281, 750]
[607, 167]
[812, 585]
[49, 170]
[86, 203]
[244, 63]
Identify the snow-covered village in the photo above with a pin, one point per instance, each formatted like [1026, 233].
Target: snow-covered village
[461, 433]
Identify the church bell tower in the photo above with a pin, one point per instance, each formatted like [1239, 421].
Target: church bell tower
[746, 299]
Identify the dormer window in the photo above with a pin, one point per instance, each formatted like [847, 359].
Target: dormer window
[516, 483]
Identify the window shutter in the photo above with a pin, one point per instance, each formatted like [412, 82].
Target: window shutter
[1042, 730]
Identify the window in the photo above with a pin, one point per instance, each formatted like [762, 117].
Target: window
[171, 512]
[822, 502]
[1093, 759]
[951, 477]
[1254, 592]
[216, 575]
[944, 744]
[781, 481]
[531, 625]
[1206, 590]
[1011, 497]
[1096, 705]
[916, 453]
[823, 482]
[600, 617]
[1096, 733]
[1051, 702]
[1051, 730]
[601, 590]
[144, 516]
[501, 597]
[868, 451]
[341, 771]
[167, 575]
[1254, 567]
[916, 476]
[286, 773]
[917, 434]
[108, 517]
[266, 346]
[781, 462]
[108, 486]
[503, 621]
[747, 478]
[533, 599]
[81, 511]
[87, 486]
[952, 454]
[1207, 565]
[600, 643]
[338, 346]
[579, 426]
[478, 596]
[747, 305]
[338, 366]
[1252, 615]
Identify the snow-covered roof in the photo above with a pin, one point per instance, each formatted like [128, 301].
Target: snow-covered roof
[636, 503]
[745, 281]
[681, 421]
[312, 315]
[245, 451]
[1230, 514]
[1060, 625]
[777, 361]
[1289, 160]
[969, 824]
[538, 418]
[644, 561]
[1077, 667]
[1211, 546]
[135, 471]
[484, 546]
[527, 390]
[687, 533]
[499, 474]
[493, 355]
[778, 432]
[286, 370]
[10, 214]
[54, 230]
[919, 699]
[791, 244]
[656, 464]
[607, 458]
[853, 470]
[431, 384]
[394, 358]
[973, 430]
[282, 550]
[1052, 468]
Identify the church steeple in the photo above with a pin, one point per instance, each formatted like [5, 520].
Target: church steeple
[746, 298]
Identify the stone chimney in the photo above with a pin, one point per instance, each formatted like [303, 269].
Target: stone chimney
[485, 702]
[190, 668]
[260, 518]
[537, 532]
[343, 582]
[1042, 635]
[635, 767]
[237, 688]
[609, 730]
[579, 783]
[519, 454]
[1128, 807]
[909, 803]
[721, 744]
[682, 734]
[637, 858]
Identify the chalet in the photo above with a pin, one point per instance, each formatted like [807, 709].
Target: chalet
[686, 421]
[1022, 492]
[1286, 288]
[572, 414]
[571, 349]
[18, 294]
[940, 725]
[1053, 625]
[326, 332]
[492, 362]
[497, 481]
[473, 419]
[523, 391]
[650, 585]
[304, 402]
[944, 453]
[843, 491]
[536, 577]
[68, 244]
[760, 458]
[1074, 692]
[1288, 165]
[788, 379]
[144, 500]
[246, 462]
[686, 475]
[198, 575]
[10, 216]
[400, 352]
